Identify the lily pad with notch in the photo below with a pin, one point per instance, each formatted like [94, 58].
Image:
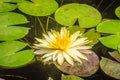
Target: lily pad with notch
[12, 56]
[38, 7]
[87, 15]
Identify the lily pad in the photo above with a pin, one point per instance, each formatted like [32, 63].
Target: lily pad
[71, 77]
[6, 33]
[14, 1]
[93, 36]
[117, 12]
[115, 55]
[87, 15]
[5, 7]
[11, 56]
[87, 68]
[111, 41]
[12, 18]
[111, 68]
[109, 26]
[75, 28]
[38, 7]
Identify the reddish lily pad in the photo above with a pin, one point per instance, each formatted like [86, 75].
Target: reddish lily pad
[110, 67]
[87, 68]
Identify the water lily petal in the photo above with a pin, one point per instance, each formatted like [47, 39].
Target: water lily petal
[60, 59]
[68, 58]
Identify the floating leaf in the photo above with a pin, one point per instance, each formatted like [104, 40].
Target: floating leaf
[71, 77]
[117, 12]
[110, 67]
[115, 55]
[38, 7]
[12, 33]
[5, 7]
[11, 56]
[87, 15]
[92, 35]
[87, 68]
[109, 26]
[111, 41]
[11, 18]
[14, 1]
[73, 29]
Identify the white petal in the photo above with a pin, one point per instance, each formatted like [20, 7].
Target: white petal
[79, 54]
[68, 58]
[60, 59]
[48, 54]
[72, 52]
[40, 51]
[80, 41]
[74, 36]
[47, 59]
[81, 47]
[51, 36]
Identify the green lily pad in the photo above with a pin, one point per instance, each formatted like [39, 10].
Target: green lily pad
[75, 28]
[5, 7]
[117, 12]
[71, 77]
[14, 1]
[11, 56]
[87, 68]
[109, 26]
[93, 36]
[111, 68]
[12, 33]
[111, 41]
[87, 15]
[12, 18]
[115, 55]
[38, 7]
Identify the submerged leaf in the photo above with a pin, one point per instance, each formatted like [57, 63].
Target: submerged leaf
[38, 7]
[93, 36]
[71, 77]
[115, 55]
[110, 67]
[86, 68]
[5, 7]
[12, 18]
[87, 15]
[11, 56]
[12, 33]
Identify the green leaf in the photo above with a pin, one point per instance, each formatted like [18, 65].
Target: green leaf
[117, 12]
[5, 7]
[111, 41]
[14, 1]
[92, 35]
[109, 26]
[87, 15]
[12, 18]
[12, 33]
[11, 56]
[38, 7]
[73, 29]
[111, 68]
[71, 77]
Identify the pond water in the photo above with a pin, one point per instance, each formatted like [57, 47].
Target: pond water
[38, 71]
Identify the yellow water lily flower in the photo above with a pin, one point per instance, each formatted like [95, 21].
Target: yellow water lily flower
[61, 46]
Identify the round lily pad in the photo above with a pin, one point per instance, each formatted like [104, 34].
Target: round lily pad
[87, 68]
[12, 18]
[38, 7]
[87, 15]
[13, 1]
[117, 12]
[109, 26]
[6, 33]
[5, 7]
[12, 56]
[110, 67]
